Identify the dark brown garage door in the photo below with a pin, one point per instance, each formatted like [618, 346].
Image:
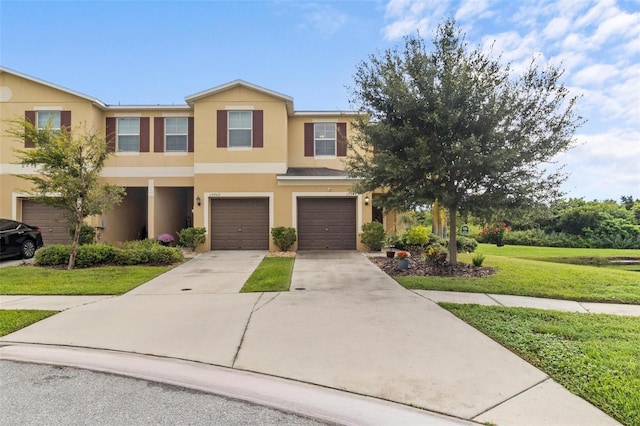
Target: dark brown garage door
[240, 224]
[326, 223]
[51, 221]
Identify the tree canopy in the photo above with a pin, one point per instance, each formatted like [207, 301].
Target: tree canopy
[452, 124]
[68, 164]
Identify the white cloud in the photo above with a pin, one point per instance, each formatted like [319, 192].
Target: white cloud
[470, 9]
[605, 165]
[620, 23]
[557, 28]
[409, 16]
[596, 74]
[323, 18]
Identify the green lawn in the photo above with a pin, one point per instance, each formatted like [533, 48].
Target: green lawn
[527, 251]
[273, 274]
[594, 356]
[108, 280]
[530, 277]
[12, 320]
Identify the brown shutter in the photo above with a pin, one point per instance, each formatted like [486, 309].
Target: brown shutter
[158, 134]
[111, 134]
[222, 129]
[308, 140]
[341, 148]
[190, 134]
[144, 134]
[65, 120]
[29, 116]
[258, 133]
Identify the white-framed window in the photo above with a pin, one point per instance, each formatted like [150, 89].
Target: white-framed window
[175, 134]
[240, 129]
[128, 135]
[46, 117]
[324, 136]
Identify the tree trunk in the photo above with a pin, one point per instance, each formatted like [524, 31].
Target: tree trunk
[74, 245]
[453, 252]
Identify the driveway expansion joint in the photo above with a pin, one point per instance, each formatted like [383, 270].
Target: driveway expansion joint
[511, 397]
[246, 327]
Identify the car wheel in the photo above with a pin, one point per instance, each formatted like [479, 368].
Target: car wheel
[28, 249]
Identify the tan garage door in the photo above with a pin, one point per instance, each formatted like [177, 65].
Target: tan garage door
[326, 223]
[240, 224]
[51, 221]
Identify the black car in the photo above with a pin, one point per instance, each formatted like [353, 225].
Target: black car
[18, 239]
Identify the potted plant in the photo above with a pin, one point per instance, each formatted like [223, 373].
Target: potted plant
[390, 242]
[403, 260]
[165, 239]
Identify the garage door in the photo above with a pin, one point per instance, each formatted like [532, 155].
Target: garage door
[51, 221]
[326, 223]
[240, 224]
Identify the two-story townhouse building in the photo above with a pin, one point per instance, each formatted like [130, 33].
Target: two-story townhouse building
[236, 159]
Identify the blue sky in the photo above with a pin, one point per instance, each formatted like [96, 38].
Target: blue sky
[152, 52]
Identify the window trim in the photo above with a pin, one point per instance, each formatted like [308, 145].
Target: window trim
[229, 129]
[185, 134]
[335, 141]
[118, 134]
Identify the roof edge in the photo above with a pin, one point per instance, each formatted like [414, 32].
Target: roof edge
[97, 102]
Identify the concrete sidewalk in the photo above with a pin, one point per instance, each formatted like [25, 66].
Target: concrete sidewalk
[348, 326]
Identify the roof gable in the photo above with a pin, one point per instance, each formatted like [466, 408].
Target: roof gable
[288, 100]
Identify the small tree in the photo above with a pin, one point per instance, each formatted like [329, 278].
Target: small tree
[68, 164]
[451, 124]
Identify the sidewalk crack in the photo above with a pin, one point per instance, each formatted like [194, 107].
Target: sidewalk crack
[494, 299]
[244, 332]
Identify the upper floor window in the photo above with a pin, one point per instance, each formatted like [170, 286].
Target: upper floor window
[176, 134]
[324, 139]
[128, 136]
[45, 118]
[240, 128]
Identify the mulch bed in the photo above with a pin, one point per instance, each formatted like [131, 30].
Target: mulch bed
[418, 267]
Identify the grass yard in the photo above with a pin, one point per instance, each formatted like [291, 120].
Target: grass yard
[519, 273]
[539, 252]
[594, 356]
[13, 320]
[273, 274]
[107, 280]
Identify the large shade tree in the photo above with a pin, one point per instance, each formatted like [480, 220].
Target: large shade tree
[68, 164]
[452, 124]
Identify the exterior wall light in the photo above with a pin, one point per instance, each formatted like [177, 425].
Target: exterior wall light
[366, 200]
[198, 200]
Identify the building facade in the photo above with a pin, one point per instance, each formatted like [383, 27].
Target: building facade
[236, 159]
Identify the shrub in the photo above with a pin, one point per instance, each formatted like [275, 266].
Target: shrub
[161, 255]
[373, 235]
[283, 237]
[87, 234]
[465, 244]
[477, 259]
[53, 254]
[436, 255]
[417, 236]
[147, 244]
[191, 237]
[95, 254]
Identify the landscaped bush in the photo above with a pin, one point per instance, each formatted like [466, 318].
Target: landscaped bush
[417, 236]
[87, 233]
[373, 235]
[146, 252]
[53, 254]
[465, 244]
[191, 237]
[283, 237]
[94, 254]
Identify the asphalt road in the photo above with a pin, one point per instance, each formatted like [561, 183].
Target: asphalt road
[51, 395]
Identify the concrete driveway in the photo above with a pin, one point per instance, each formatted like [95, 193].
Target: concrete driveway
[344, 325]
